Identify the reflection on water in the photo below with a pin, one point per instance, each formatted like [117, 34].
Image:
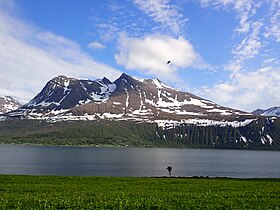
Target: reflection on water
[91, 161]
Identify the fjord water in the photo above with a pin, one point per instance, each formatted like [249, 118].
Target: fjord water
[95, 161]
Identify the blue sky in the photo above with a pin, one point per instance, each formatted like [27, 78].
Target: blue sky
[227, 51]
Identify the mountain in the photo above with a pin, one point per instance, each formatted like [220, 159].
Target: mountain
[273, 111]
[61, 94]
[127, 98]
[7, 104]
[133, 111]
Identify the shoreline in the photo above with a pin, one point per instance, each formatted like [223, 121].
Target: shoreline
[141, 177]
[147, 147]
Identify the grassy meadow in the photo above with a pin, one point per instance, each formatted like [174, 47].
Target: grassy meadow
[58, 192]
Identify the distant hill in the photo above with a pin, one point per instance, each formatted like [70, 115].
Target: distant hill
[7, 104]
[273, 111]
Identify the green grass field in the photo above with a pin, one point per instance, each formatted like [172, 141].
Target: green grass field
[56, 192]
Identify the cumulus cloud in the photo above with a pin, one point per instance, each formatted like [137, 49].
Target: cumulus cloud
[96, 45]
[248, 91]
[150, 54]
[30, 56]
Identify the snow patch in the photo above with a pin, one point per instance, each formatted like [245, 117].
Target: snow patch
[202, 122]
[243, 138]
[221, 111]
[2, 118]
[269, 139]
[160, 84]
[127, 99]
[66, 83]
[139, 79]
[116, 103]
[109, 115]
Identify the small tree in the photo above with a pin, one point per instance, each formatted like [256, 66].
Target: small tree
[169, 169]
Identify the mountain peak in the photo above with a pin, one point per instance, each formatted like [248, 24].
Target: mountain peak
[126, 80]
[106, 81]
[62, 77]
[124, 76]
[157, 82]
[61, 80]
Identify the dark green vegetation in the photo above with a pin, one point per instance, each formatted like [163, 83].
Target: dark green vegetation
[50, 192]
[122, 133]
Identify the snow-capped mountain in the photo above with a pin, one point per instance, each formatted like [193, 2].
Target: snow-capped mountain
[127, 98]
[177, 115]
[7, 104]
[273, 111]
[62, 93]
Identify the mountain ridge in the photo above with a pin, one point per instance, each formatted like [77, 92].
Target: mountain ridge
[272, 111]
[127, 98]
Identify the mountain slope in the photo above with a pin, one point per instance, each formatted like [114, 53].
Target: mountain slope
[273, 111]
[151, 99]
[7, 104]
[262, 133]
[127, 98]
[62, 93]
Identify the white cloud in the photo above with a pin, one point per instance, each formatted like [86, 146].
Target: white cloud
[273, 29]
[221, 93]
[259, 24]
[200, 64]
[150, 54]
[269, 60]
[163, 12]
[114, 18]
[30, 56]
[244, 8]
[233, 67]
[96, 45]
[248, 91]
[250, 45]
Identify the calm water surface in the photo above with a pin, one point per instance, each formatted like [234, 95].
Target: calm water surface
[91, 161]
